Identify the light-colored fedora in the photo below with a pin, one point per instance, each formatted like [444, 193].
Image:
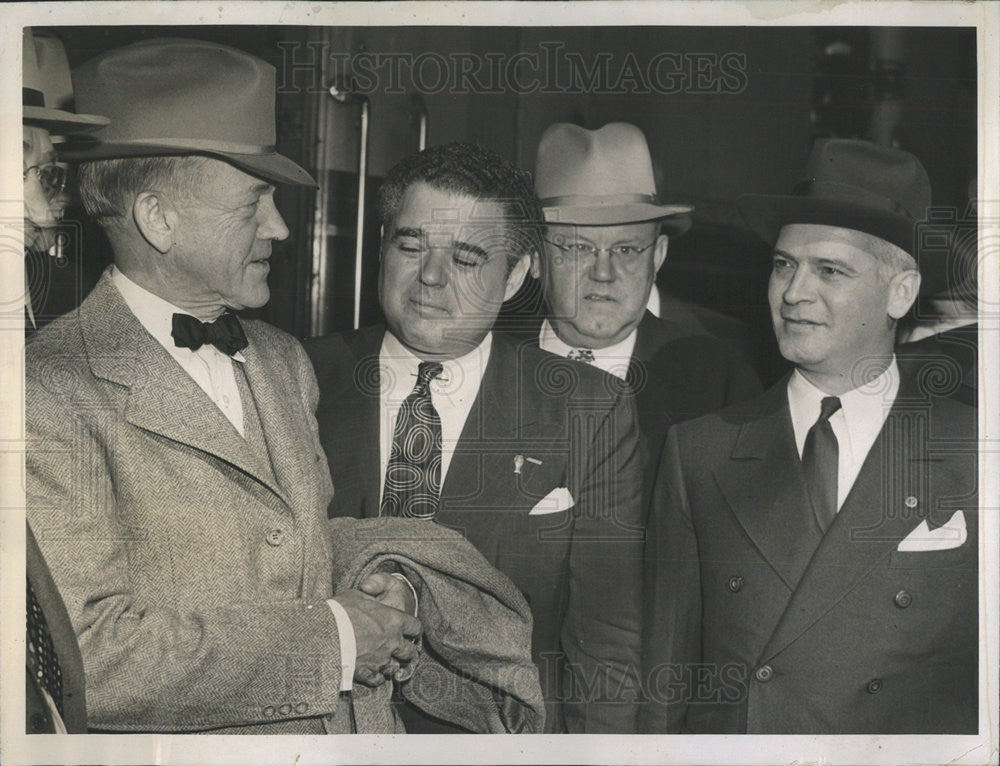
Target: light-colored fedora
[171, 96]
[600, 178]
[46, 86]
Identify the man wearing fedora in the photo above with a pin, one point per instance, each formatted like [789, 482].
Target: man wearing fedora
[175, 479]
[55, 689]
[606, 237]
[812, 555]
[533, 458]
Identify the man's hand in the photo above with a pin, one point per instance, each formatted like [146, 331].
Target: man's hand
[390, 591]
[381, 633]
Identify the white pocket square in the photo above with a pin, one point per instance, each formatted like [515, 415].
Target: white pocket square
[557, 500]
[950, 535]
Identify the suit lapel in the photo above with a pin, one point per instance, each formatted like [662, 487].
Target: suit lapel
[357, 401]
[763, 484]
[869, 525]
[495, 419]
[163, 399]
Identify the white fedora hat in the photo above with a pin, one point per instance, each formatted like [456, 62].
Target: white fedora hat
[46, 86]
[600, 178]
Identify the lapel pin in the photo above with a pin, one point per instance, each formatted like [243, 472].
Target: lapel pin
[911, 502]
[518, 462]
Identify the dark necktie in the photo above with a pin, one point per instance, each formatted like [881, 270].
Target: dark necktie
[225, 333]
[413, 475]
[581, 355]
[42, 660]
[819, 463]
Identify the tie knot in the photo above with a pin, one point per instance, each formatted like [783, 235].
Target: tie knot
[581, 355]
[827, 407]
[427, 371]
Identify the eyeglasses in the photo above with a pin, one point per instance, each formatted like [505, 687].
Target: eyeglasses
[51, 176]
[627, 255]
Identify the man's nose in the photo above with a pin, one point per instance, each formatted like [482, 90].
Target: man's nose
[602, 269]
[272, 225]
[434, 266]
[800, 287]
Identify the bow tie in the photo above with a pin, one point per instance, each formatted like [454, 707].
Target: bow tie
[225, 333]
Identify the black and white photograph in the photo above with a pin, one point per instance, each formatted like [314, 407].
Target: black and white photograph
[548, 369]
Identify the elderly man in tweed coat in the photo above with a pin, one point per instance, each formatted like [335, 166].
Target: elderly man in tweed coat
[175, 478]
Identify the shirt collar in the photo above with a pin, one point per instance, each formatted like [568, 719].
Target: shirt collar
[612, 359]
[153, 313]
[460, 376]
[864, 408]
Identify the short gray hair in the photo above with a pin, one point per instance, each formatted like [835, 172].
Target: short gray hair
[108, 187]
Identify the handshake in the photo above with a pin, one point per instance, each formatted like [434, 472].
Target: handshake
[385, 630]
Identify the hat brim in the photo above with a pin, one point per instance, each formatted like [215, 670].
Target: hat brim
[766, 214]
[675, 218]
[270, 166]
[63, 122]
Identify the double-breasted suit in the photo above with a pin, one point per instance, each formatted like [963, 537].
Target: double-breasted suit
[758, 623]
[578, 565]
[193, 562]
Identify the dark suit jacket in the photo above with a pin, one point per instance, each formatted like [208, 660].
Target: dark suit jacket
[678, 374]
[580, 569]
[756, 625]
[74, 714]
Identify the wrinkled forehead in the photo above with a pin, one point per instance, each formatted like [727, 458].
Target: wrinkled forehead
[818, 239]
[626, 233]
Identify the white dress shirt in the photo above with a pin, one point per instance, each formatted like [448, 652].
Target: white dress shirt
[208, 367]
[452, 394]
[213, 371]
[613, 359]
[856, 424]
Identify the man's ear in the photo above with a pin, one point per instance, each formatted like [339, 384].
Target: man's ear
[660, 252]
[517, 274]
[903, 290]
[155, 219]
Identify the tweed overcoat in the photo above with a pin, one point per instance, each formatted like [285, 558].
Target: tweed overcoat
[194, 573]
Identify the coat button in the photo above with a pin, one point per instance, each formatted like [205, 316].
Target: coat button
[301, 707]
[911, 502]
[903, 599]
[269, 711]
[735, 584]
[275, 537]
[763, 674]
[875, 686]
[285, 709]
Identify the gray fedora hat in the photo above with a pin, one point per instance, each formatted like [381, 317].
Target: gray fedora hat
[600, 178]
[171, 96]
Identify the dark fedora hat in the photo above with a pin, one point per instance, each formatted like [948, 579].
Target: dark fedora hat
[175, 96]
[46, 87]
[852, 185]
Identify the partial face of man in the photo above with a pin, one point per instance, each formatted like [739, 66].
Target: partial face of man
[444, 272]
[831, 304]
[596, 280]
[40, 212]
[219, 258]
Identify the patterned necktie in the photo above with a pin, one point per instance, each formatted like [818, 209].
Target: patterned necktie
[819, 463]
[581, 355]
[413, 475]
[42, 660]
[225, 333]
